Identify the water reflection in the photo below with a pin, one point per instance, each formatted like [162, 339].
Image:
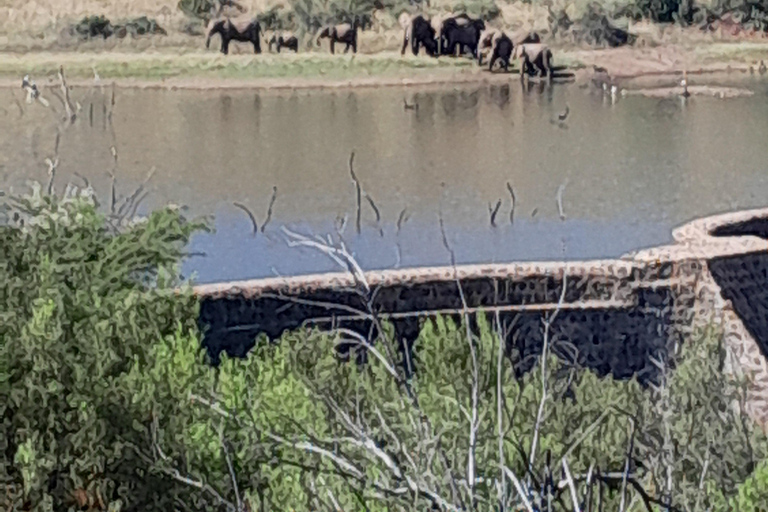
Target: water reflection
[635, 167]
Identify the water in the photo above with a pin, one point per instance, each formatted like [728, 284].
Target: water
[632, 170]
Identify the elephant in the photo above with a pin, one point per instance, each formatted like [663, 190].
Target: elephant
[526, 38]
[463, 32]
[438, 22]
[344, 33]
[501, 49]
[243, 29]
[487, 40]
[534, 56]
[419, 32]
[284, 40]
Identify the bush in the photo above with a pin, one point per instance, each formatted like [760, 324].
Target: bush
[82, 300]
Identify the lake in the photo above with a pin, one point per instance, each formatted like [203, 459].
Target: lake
[631, 170]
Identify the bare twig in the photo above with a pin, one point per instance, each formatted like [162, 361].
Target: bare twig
[544, 355]
[250, 216]
[702, 479]
[71, 113]
[376, 211]
[231, 469]
[560, 191]
[269, 209]
[85, 180]
[358, 191]
[630, 448]
[494, 211]
[571, 486]
[514, 202]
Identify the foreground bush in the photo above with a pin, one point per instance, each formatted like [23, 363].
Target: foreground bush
[106, 397]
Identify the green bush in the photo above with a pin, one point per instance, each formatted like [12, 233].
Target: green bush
[82, 299]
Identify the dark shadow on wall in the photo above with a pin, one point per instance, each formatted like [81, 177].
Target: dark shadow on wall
[615, 341]
[743, 280]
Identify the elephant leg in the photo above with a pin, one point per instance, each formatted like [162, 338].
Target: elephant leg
[354, 45]
[405, 45]
[346, 48]
[225, 45]
[415, 46]
[494, 57]
[333, 46]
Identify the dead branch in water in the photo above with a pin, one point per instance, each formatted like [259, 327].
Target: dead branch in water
[358, 190]
[376, 211]
[53, 163]
[250, 215]
[514, 201]
[559, 199]
[71, 113]
[269, 209]
[131, 202]
[494, 211]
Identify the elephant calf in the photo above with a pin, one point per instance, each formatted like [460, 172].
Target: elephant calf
[534, 57]
[284, 40]
[244, 29]
[345, 33]
[501, 50]
[419, 32]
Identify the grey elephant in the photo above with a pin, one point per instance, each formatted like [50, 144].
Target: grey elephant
[419, 32]
[534, 57]
[501, 49]
[242, 29]
[462, 32]
[343, 33]
[284, 40]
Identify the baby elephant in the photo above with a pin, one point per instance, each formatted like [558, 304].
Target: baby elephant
[345, 33]
[534, 57]
[242, 29]
[501, 49]
[284, 40]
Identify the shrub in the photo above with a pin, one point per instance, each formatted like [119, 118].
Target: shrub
[82, 299]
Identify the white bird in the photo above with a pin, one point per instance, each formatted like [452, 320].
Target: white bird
[31, 87]
[33, 93]
[684, 85]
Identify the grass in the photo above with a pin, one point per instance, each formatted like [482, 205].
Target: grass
[207, 65]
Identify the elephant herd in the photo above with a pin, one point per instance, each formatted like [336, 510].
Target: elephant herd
[439, 36]
[446, 35]
[249, 30]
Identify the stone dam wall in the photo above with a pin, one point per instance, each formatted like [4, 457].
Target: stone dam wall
[614, 316]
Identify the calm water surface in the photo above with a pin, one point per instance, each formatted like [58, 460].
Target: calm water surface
[632, 170]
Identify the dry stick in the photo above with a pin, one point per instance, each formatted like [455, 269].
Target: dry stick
[701, 480]
[401, 219]
[572, 487]
[499, 409]
[85, 180]
[590, 483]
[130, 200]
[630, 447]
[560, 191]
[376, 211]
[250, 215]
[544, 351]
[514, 201]
[71, 115]
[112, 104]
[269, 209]
[231, 469]
[474, 422]
[494, 211]
[53, 164]
[358, 190]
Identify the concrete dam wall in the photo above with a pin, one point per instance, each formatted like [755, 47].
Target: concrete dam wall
[614, 316]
